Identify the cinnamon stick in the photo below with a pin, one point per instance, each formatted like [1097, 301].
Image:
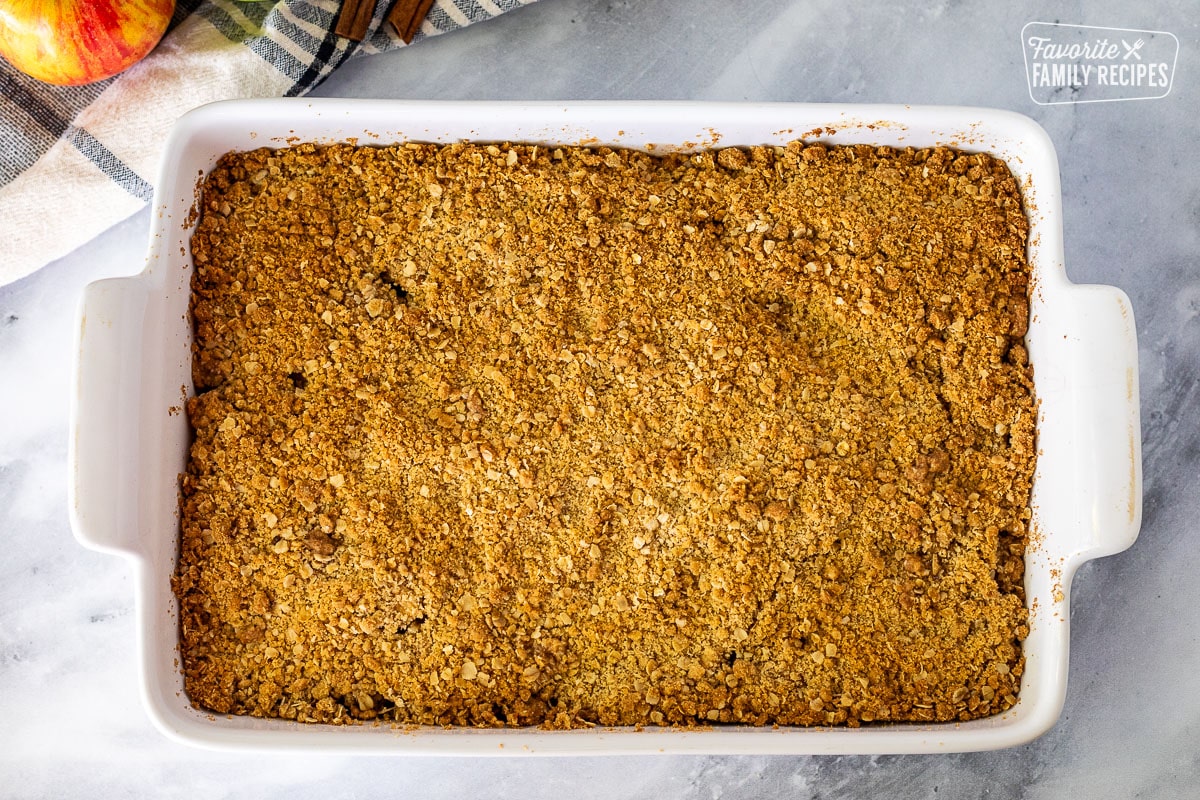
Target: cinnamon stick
[406, 17]
[354, 18]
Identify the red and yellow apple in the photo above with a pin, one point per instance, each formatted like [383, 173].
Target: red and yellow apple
[72, 42]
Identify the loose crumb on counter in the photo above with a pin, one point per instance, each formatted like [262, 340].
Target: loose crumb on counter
[515, 435]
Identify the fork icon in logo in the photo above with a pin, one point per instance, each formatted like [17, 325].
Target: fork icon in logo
[1132, 49]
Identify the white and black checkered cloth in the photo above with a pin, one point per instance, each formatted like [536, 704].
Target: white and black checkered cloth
[76, 160]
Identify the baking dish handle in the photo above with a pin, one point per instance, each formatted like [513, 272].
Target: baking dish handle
[103, 455]
[1108, 435]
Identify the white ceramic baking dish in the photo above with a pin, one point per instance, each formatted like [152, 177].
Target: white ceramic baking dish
[129, 436]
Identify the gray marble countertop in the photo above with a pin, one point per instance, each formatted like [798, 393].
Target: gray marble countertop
[71, 720]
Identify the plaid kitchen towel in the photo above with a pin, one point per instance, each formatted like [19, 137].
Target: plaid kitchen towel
[76, 160]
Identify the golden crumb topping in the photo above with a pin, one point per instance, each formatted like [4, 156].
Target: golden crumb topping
[516, 435]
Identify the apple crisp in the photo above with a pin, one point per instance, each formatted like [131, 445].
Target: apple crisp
[511, 435]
